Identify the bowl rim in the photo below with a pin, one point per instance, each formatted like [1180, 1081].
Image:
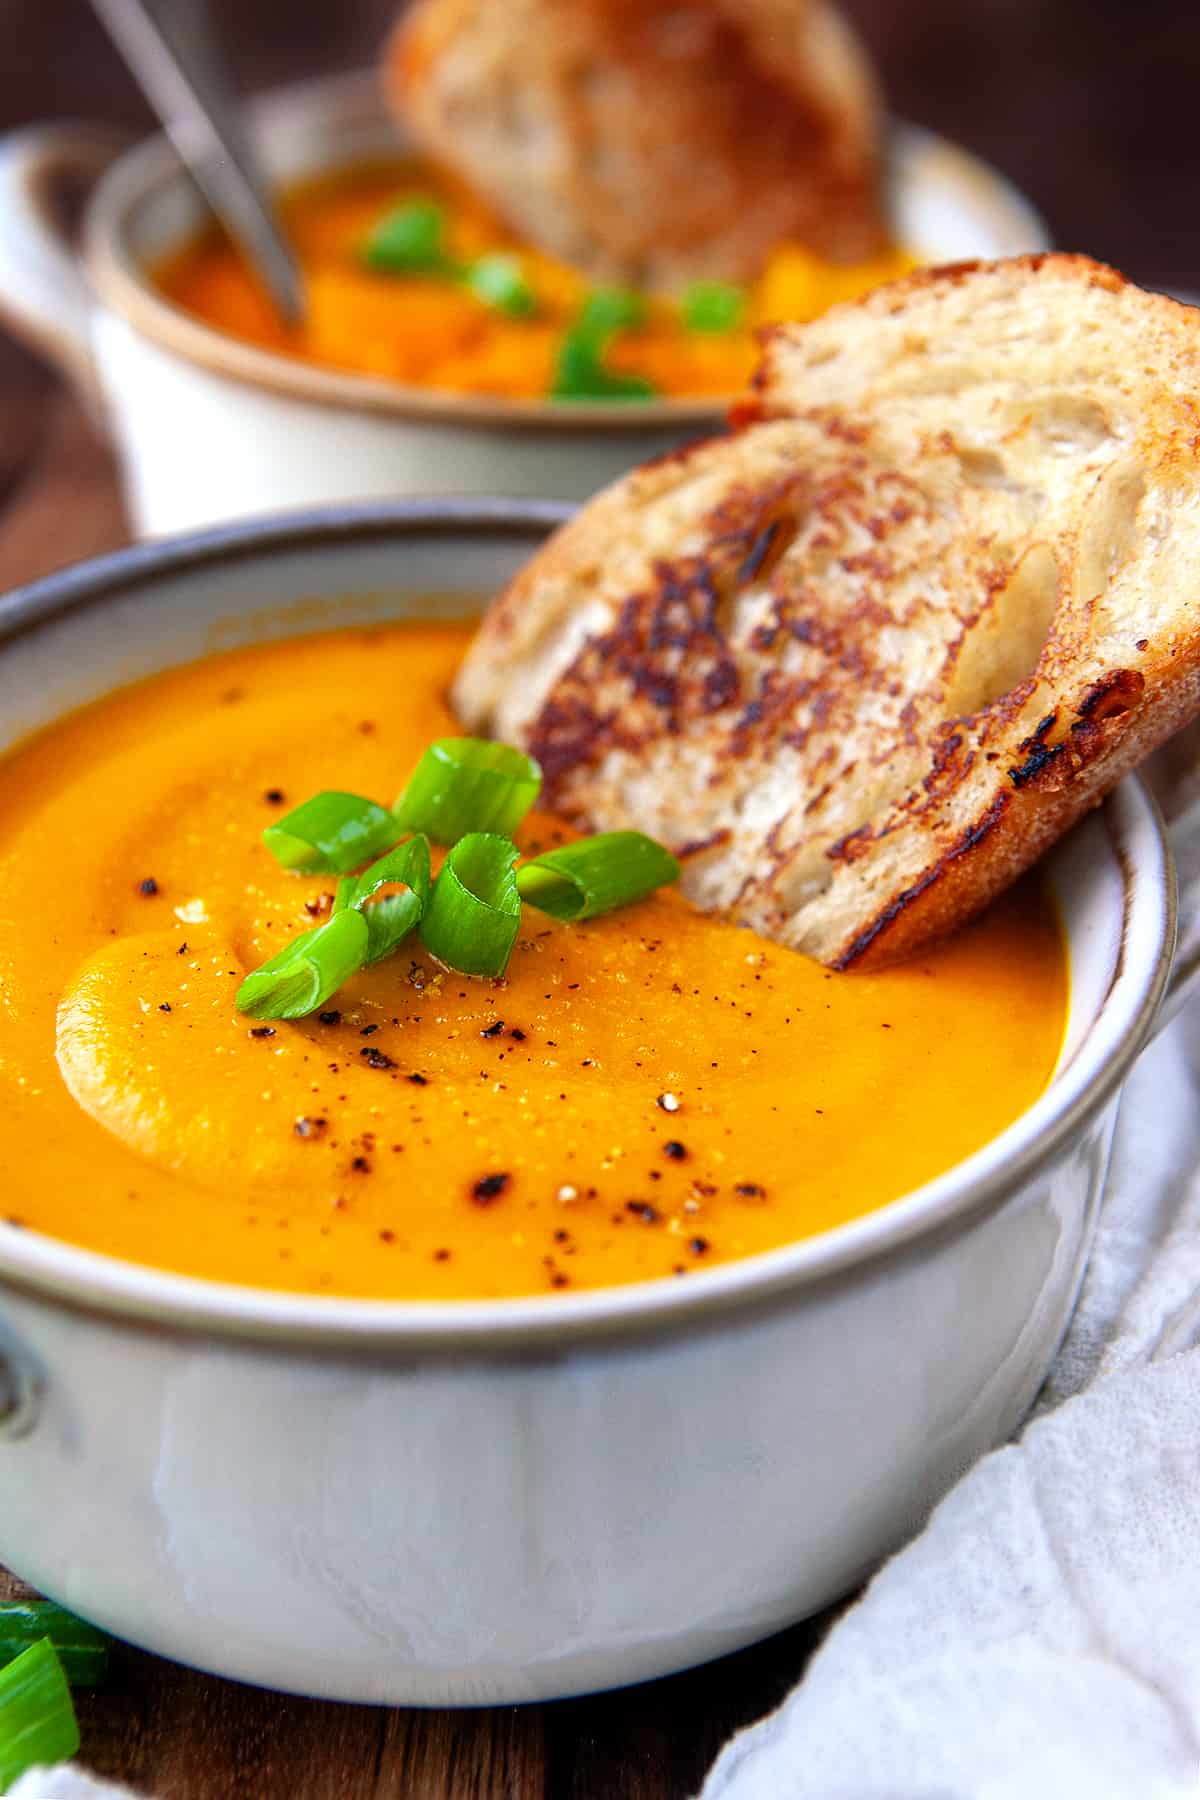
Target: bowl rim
[89, 1281]
[152, 165]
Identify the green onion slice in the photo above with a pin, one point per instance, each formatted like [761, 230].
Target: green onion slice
[612, 309]
[82, 1650]
[468, 784]
[331, 833]
[596, 874]
[474, 911]
[390, 919]
[308, 970]
[500, 282]
[37, 1719]
[712, 306]
[409, 240]
[581, 373]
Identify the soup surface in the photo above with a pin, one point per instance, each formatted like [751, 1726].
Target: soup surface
[434, 331]
[652, 1092]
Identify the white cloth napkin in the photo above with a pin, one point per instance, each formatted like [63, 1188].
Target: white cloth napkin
[1041, 1639]
[66, 1781]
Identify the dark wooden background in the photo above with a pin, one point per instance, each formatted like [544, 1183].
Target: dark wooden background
[1091, 107]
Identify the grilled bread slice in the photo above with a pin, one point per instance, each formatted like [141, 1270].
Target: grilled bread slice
[645, 143]
[862, 660]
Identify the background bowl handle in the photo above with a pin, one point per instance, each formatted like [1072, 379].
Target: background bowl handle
[46, 173]
[1174, 776]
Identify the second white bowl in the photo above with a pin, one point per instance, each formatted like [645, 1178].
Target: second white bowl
[210, 429]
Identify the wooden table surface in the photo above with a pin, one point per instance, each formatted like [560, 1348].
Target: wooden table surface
[178, 1735]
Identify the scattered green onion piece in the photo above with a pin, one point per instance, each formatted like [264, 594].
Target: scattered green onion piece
[596, 874]
[308, 970]
[331, 833]
[581, 373]
[37, 1719]
[81, 1649]
[474, 911]
[500, 282]
[390, 920]
[712, 306]
[409, 240]
[612, 309]
[468, 784]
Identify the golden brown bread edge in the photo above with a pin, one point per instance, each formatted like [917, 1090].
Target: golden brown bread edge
[865, 658]
[650, 144]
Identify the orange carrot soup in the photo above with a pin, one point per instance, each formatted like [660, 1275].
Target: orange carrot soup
[409, 277]
[646, 1094]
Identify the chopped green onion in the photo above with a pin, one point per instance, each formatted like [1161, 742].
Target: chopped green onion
[467, 793]
[712, 306]
[81, 1649]
[409, 240]
[474, 911]
[331, 833]
[468, 784]
[37, 1719]
[405, 866]
[582, 374]
[596, 874]
[500, 282]
[308, 970]
[389, 922]
[391, 919]
[612, 309]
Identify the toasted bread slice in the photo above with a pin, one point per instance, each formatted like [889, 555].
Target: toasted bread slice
[651, 144]
[861, 661]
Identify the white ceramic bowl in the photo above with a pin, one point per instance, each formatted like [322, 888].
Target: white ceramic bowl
[209, 428]
[511, 1500]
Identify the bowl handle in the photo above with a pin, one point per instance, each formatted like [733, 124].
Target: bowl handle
[22, 1387]
[46, 172]
[1173, 774]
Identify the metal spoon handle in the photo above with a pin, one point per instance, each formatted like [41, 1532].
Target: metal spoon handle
[171, 52]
